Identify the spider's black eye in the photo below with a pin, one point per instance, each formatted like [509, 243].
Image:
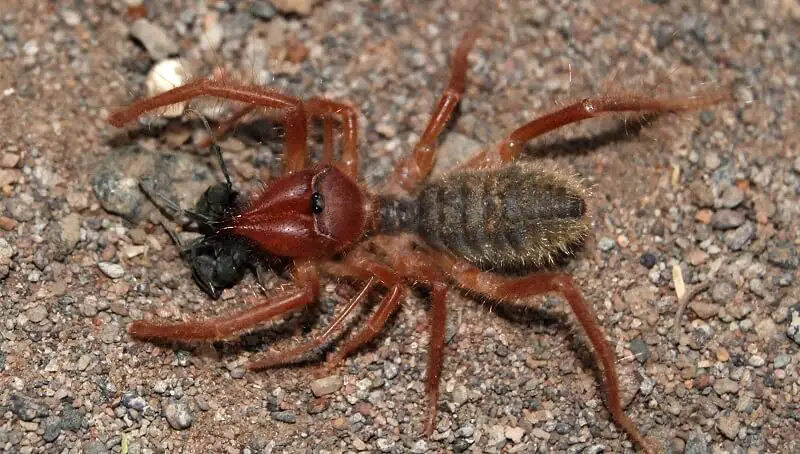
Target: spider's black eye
[317, 203]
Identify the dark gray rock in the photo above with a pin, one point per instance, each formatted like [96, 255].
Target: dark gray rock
[51, 428]
[727, 219]
[26, 409]
[95, 447]
[783, 255]
[737, 239]
[287, 416]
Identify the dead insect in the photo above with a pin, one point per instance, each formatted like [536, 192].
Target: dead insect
[219, 260]
[491, 214]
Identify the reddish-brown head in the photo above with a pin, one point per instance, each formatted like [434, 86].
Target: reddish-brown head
[310, 213]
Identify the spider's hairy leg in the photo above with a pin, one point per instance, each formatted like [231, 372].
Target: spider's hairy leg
[329, 111]
[303, 293]
[417, 166]
[294, 354]
[363, 269]
[419, 267]
[518, 290]
[510, 147]
[293, 113]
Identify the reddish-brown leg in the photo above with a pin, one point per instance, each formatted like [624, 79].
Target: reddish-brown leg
[512, 145]
[296, 353]
[511, 289]
[418, 267]
[419, 164]
[374, 326]
[294, 116]
[361, 268]
[307, 285]
[356, 267]
[329, 111]
[438, 323]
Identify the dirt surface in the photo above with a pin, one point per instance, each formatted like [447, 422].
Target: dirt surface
[711, 194]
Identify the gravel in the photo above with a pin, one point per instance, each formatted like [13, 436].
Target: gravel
[83, 252]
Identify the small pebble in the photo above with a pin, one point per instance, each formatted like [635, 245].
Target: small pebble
[83, 362]
[606, 244]
[384, 445]
[793, 330]
[639, 349]
[594, 449]
[178, 415]
[112, 270]
[704, 310]
[70, 17]
[726, 386]
[133, 400]
[94, 447]
[732, 197]
[460, 394]
[701, 194]
[419, 447]
[166, 75]
[496, 436]
[696, 257]
[51, 428]
[262, 9]
[9, 160]
[326, 385]
[37, 313]
[784, 256]
[727, 219]
[301, 7]
[515, 434]
[109, 333]
[154, 38]
[712, 161]
[737, 239]
[722, 293]
[756, 361]
[700, 336]
[696, 444]
[390, 370]
[540, 433]
[465, 431]
[287, 416]
[728, 426]
[781, 361]
[648, 260]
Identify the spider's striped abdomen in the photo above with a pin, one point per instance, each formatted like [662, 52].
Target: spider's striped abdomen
[515, 216]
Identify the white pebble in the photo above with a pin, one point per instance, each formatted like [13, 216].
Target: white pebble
[166, 75]
[112, 270]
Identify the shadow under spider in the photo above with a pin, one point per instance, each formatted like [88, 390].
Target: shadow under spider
[624, 130]
[552, 323]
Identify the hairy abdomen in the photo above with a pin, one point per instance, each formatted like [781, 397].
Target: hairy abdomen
[516, 216]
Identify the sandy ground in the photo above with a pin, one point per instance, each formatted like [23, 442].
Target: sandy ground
[712, 194]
